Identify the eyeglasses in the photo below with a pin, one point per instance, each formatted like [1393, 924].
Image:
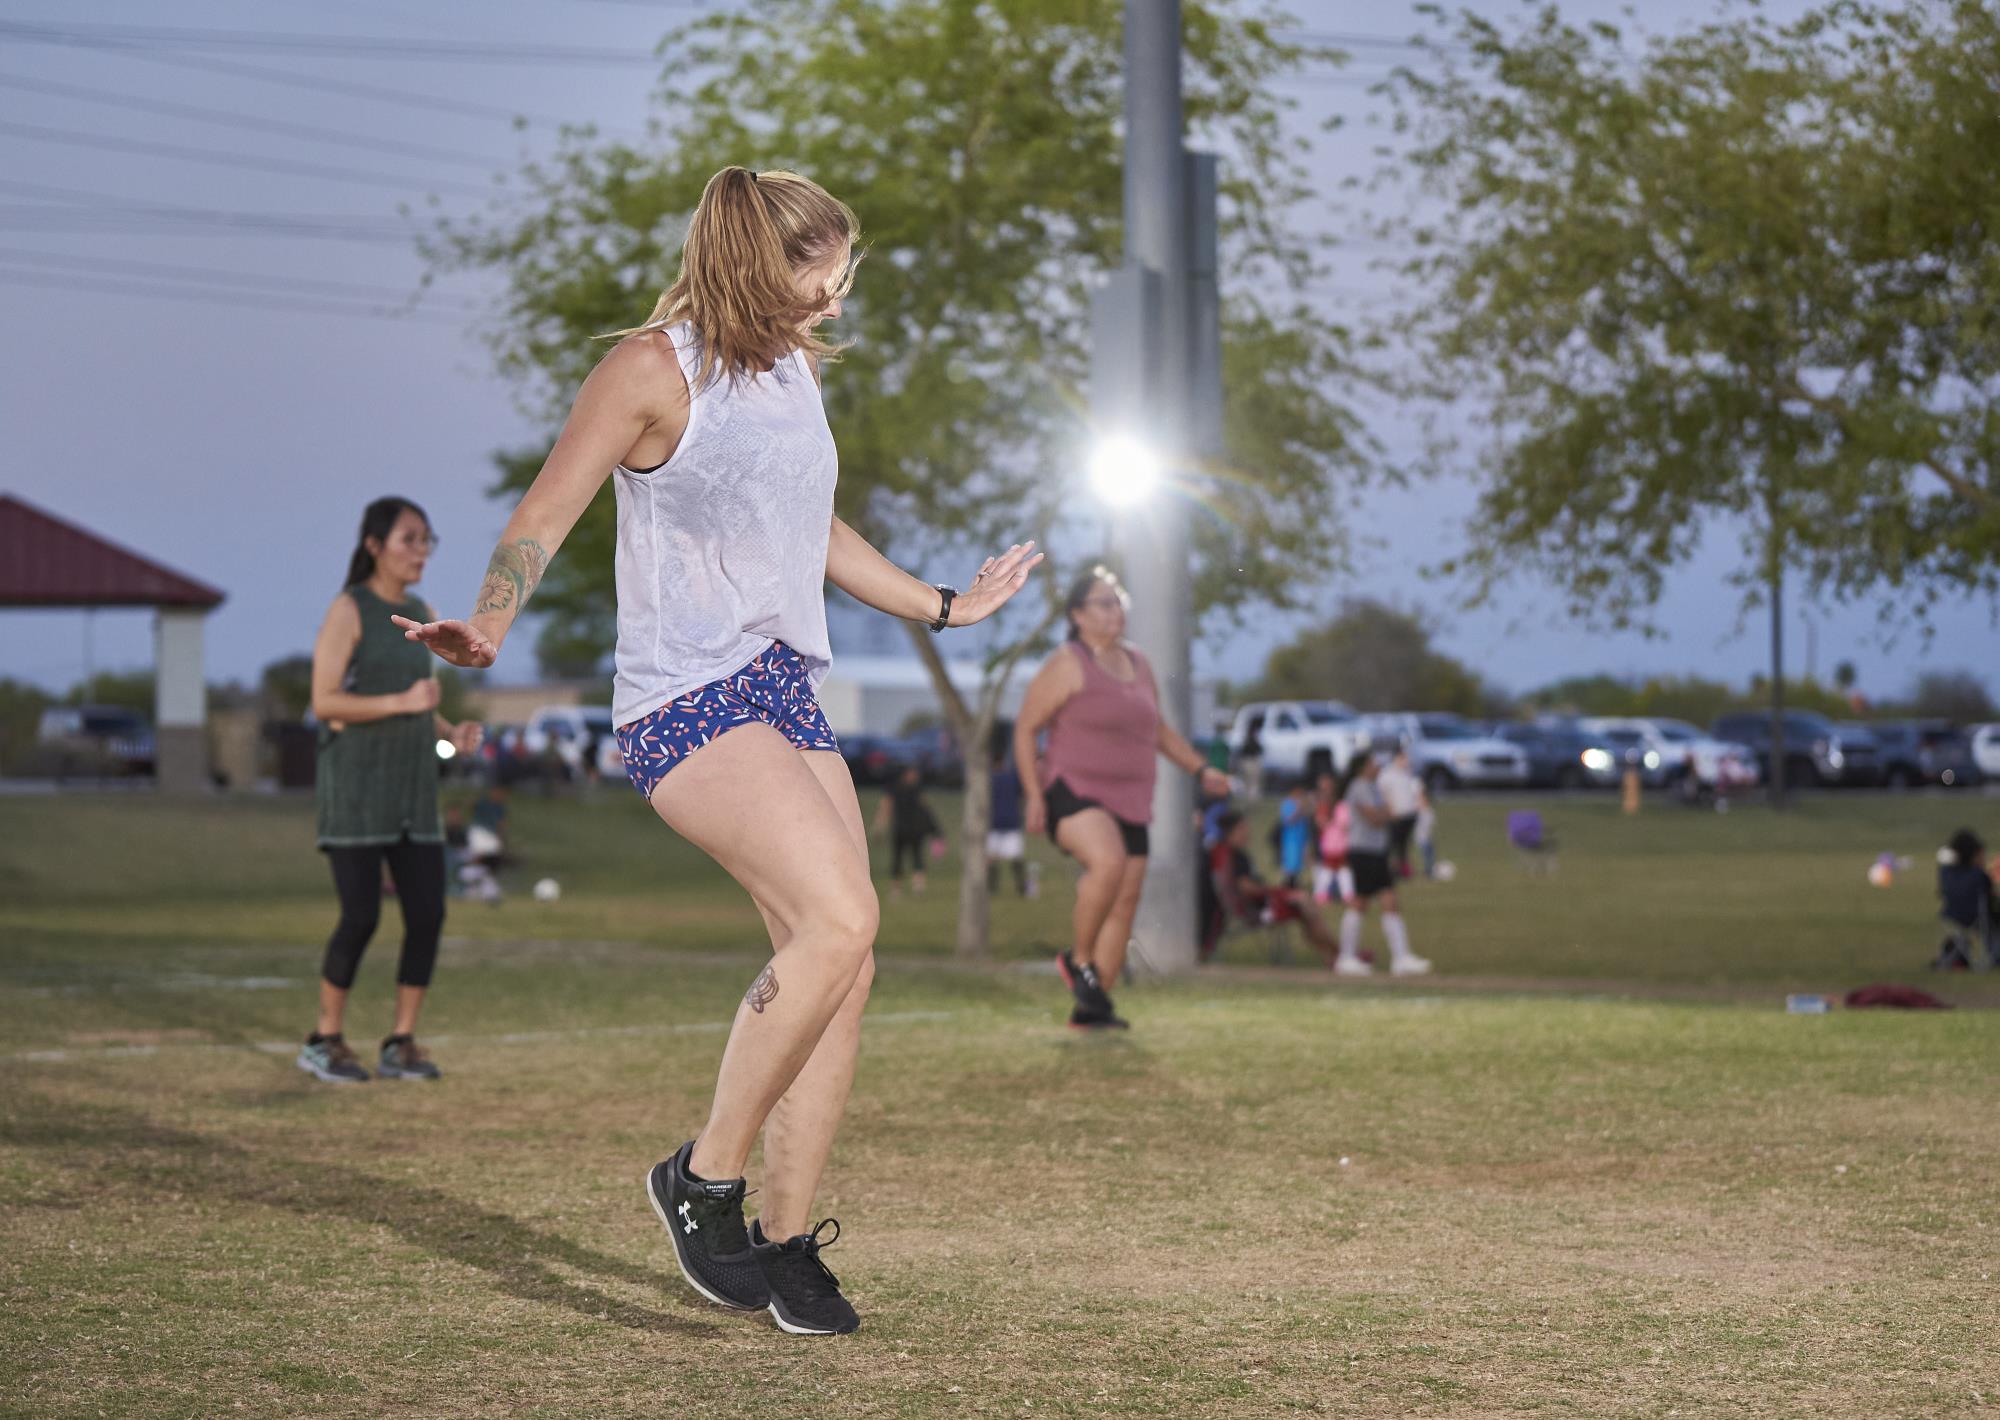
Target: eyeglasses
[422, 544]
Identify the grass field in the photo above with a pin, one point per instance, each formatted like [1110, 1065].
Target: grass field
[1592, 1169]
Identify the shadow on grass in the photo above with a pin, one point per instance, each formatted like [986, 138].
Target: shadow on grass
[129, 1150]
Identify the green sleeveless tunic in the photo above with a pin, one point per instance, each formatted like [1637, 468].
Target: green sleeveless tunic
[378, 782]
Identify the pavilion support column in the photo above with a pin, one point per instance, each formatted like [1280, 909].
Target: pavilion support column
[181, 700]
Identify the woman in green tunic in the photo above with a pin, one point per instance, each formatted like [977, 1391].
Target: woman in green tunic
[377, 785]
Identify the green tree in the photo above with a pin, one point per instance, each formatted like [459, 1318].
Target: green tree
[286, 687]
[1375, 657]
[981, 146]
[1745, 276]
[1960, 696]
[21, 707]
[129, 690]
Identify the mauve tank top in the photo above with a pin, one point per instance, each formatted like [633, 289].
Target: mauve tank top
[1102, 742]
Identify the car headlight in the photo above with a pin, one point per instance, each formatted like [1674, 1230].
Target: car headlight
[1652, 759]
[1597, 759]
[1835, 758]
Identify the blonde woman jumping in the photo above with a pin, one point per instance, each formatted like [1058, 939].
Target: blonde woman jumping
[709, 422]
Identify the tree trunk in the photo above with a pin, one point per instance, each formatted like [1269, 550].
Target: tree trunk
[1778, 765]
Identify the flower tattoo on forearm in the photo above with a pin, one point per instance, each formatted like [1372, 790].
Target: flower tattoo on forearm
[512, 575]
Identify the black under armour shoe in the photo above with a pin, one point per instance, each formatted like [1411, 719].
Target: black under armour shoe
[805, 1296]
[1083, 983]
[705, 1220]
[1081, 1019]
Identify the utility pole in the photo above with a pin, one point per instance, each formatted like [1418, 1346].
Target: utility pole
[1156, 376]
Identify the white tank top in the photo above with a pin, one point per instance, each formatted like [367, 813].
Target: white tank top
[722, 549]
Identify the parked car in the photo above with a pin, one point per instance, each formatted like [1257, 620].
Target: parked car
[1986, 750]
[1923, 752]
[1816, 750]
[95, 739]
[1713, 763]
[871, 759]
[1560, 754]
[1300, 739]
[1448, 751]
[569, 730]
[935, 753]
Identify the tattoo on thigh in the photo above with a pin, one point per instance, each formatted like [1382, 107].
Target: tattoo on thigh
[763, 991]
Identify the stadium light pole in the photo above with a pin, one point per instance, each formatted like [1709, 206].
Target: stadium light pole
[1155, 387]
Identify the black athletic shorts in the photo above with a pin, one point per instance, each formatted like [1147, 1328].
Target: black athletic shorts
[1064, 801]
[1371, 873]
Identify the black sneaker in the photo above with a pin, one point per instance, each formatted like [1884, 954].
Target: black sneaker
[705, 1220]
[328, 1058]
[1081, 978]
[1106, 1019]
[403, 1059]
[805, 1296]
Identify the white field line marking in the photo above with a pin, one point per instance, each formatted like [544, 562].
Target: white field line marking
[526, 1037]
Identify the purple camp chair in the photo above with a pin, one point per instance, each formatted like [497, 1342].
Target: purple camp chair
[1532, 841]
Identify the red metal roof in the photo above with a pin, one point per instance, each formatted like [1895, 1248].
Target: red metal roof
[45, 561]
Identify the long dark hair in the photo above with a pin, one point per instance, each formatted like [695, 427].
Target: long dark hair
[1356, 762]
[377, 522]
[1079, 592]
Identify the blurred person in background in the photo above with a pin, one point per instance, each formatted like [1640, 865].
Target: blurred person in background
[912, 826]
[1092, 791]
[1403, 795]
[376, 788]
[1372, 880]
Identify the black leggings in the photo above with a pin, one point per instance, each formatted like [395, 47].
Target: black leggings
[357, 876]
[901, 845]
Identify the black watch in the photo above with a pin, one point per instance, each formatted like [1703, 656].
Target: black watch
[944, 611]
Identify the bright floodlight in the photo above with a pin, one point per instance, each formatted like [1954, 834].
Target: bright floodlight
[446, 749]
[1123, 470]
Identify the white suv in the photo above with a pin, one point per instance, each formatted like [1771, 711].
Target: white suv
[1684, 749]
[1986, 749]
[1447, 751]
[1299, 739]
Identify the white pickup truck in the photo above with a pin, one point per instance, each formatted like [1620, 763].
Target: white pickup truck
[1299, 739]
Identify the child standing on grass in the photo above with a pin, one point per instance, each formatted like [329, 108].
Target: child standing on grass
[911, 826]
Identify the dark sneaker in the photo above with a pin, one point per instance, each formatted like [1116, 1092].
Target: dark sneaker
[1084, 1020]
[1081, 978]
[705, 1220]
[326, 1057]
[805, 1297]
[403, 1059]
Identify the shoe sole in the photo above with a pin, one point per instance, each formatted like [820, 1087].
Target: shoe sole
[796, 1330]
[680, 1261]
[328, 1076]
[1062, 970]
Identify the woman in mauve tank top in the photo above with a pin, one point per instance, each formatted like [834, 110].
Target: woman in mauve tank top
[709, 420]
[1093, 792]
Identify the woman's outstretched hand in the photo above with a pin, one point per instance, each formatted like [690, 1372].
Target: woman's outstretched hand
[456, 642]
[997, 581]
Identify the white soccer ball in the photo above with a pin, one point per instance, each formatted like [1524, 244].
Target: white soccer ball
[547, 890]
[1445, 871]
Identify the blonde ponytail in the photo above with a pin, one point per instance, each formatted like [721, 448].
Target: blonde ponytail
[738, 286]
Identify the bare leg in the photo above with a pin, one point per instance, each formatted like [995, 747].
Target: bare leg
[1116, 933]
[798, 1135]
[332, 1007]
[1092, 838]
[409, 1001]
[784, 840]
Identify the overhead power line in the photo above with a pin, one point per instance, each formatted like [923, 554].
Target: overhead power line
[331, 45]
[218, 296]
[220, 157]
[435, 103]
[250, 122]
[301, 285]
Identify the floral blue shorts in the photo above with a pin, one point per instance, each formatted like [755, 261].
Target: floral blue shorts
[775, 690]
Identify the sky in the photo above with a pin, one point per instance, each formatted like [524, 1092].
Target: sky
[225, 397]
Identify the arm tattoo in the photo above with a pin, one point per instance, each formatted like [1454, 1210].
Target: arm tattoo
[512, 575]
[763, 991]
